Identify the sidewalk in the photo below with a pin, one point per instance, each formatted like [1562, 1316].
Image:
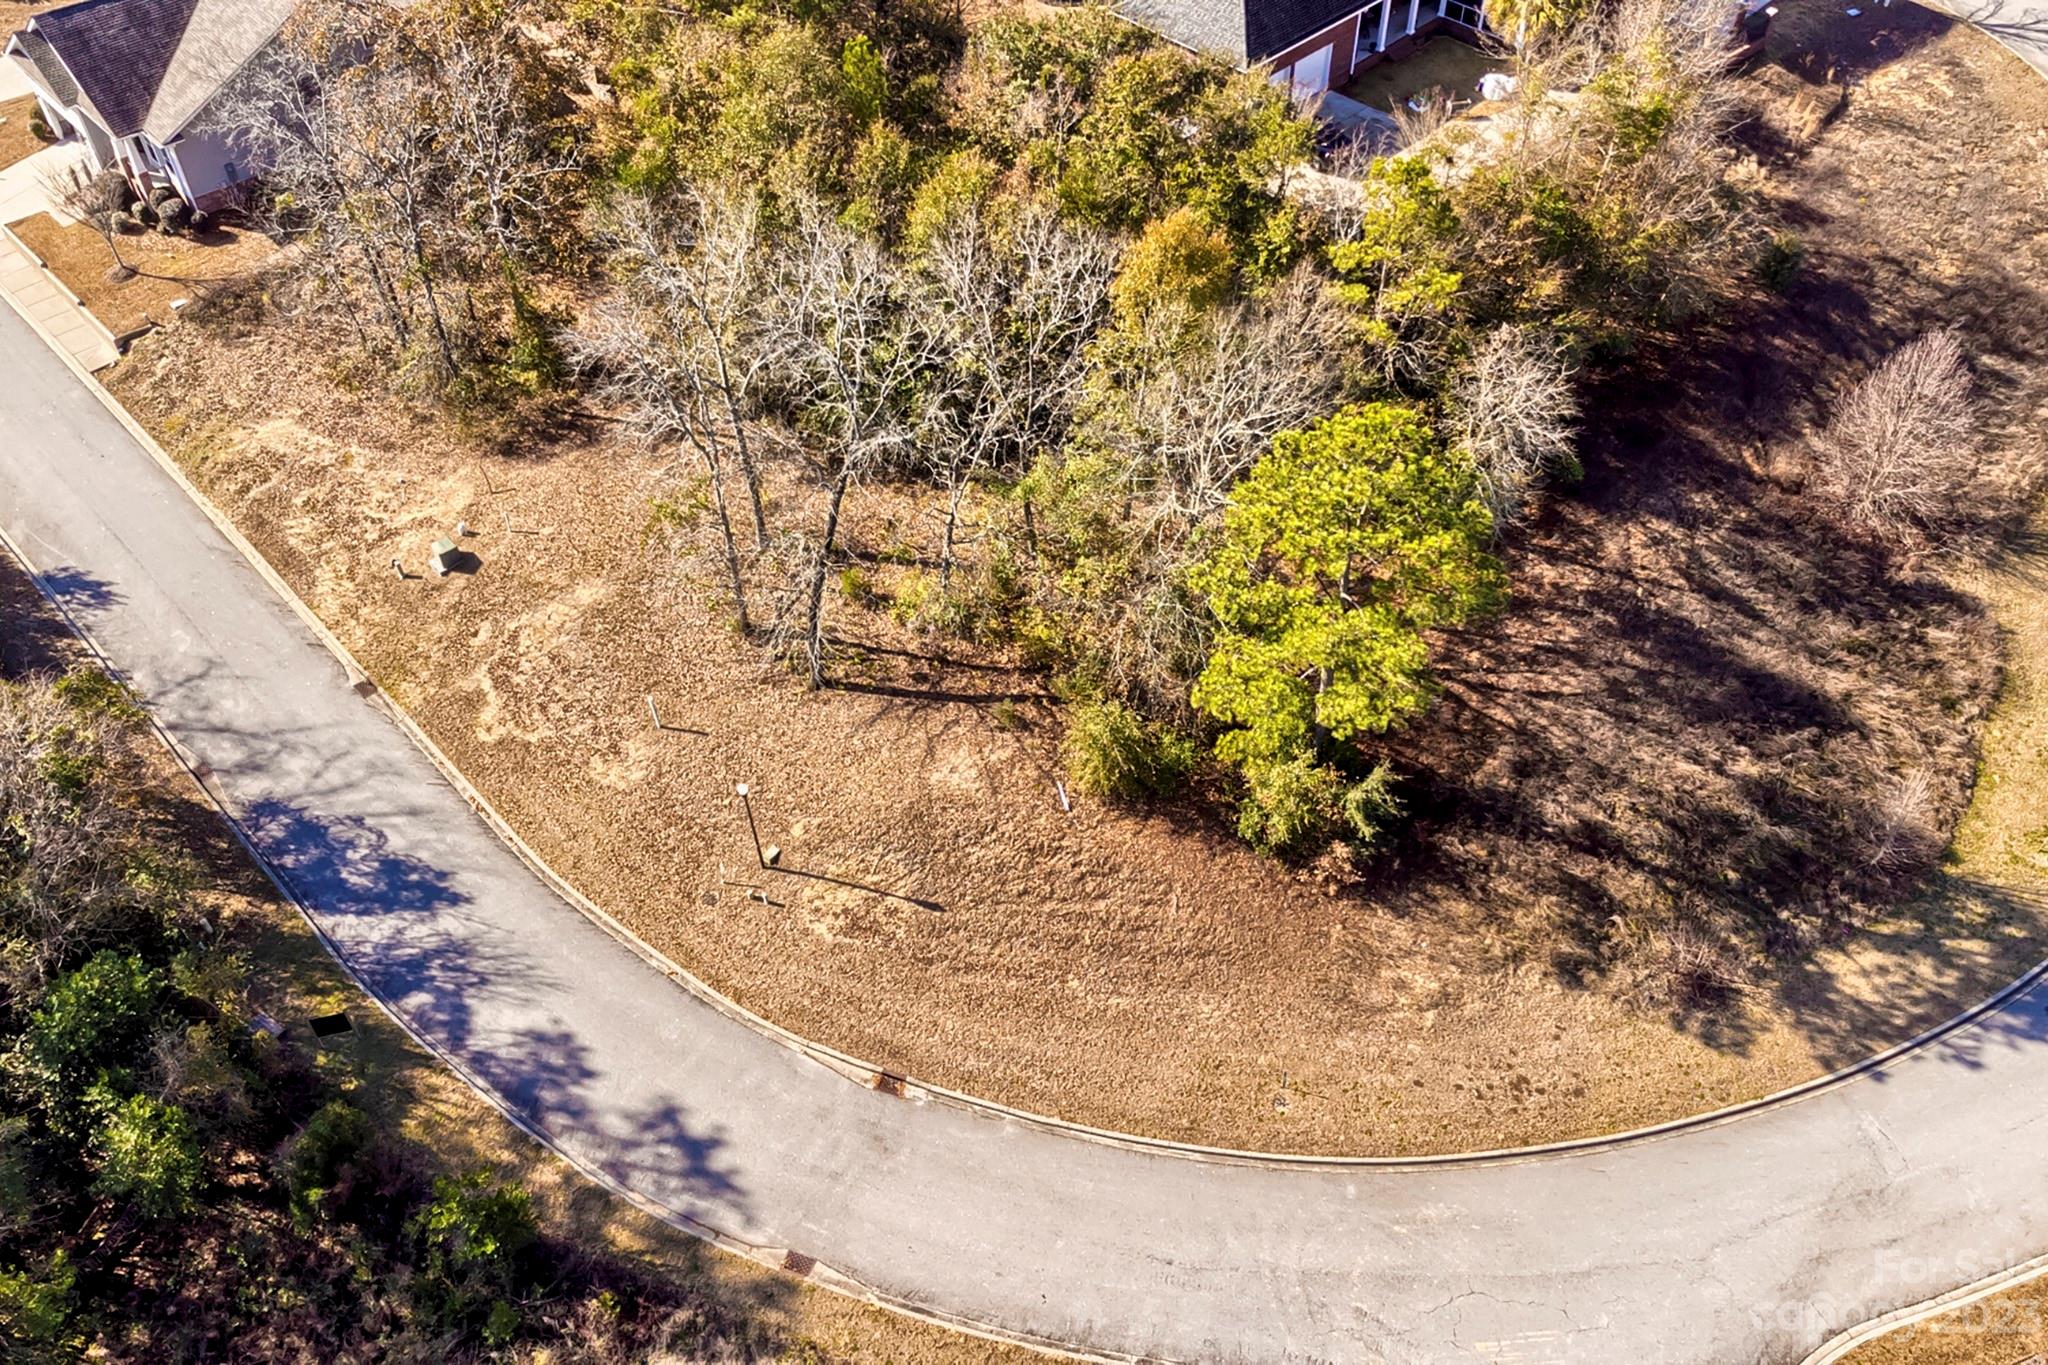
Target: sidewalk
[42, 298]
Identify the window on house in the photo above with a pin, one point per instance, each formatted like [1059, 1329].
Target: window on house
[1369, 25]
[1459, 12]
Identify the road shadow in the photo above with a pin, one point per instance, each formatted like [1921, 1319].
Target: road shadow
[399, 925]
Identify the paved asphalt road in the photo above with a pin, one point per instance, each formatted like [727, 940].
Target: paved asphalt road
[2023, 27]
[1751, 1240]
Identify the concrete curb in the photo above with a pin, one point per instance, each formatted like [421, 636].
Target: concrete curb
[1842, 1344]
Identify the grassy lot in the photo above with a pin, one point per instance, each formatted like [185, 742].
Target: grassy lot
[1693, 700]
[419, 1105]
[153, 270]
[1440, 66]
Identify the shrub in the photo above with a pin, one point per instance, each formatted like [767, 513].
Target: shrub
[1290, 805]
[323, 1157]
[35, 1306]
[1902, 444]
[468, 1235]
[173, 216]
[93, 693]
[857, 585]
[148, 1157]
[38, 126]
[1369, 805]
[1781, 261]
[123, 223]
[93, 1020]
[1112, 753]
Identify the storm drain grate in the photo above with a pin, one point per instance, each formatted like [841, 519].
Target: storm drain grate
[796, 1263]
[887, 1084]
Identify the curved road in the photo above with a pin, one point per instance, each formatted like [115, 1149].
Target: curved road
[1750, 1240]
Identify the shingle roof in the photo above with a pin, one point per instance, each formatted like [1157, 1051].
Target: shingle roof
[218, 41]
[1245, 31]
[47, 66]
[147, 66]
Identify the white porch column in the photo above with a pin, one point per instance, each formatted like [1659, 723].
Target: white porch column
[1414, 13]
[1386, 22]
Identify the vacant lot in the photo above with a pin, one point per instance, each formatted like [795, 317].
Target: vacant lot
[1695, 712]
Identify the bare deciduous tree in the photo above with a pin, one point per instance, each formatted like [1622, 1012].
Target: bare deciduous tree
[1517, 413]
[1903, 443]
[1192, 415]
[408, 148]
[1010, 307]
[679, 344]
[66, 841]
[849, 350]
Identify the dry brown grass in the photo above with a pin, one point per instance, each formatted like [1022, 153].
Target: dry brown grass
[163, 268]
[1681, 734]
[16, 141]
[414, 1100]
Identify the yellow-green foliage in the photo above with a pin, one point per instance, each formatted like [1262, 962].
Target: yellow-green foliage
[1340, 549]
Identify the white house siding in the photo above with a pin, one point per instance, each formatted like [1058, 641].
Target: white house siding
[206, 165]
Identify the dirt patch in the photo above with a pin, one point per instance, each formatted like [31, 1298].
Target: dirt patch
[16, 141]
[153, 270]
[1696, 698]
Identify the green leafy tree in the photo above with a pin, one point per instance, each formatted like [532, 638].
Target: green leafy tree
[1179, 263]
[1402, 272]
[1526, 21]
[867, 83]
[1344, 544]
[148, 1157]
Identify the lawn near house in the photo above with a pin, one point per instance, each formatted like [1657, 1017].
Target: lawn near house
[160, 269]
[1442, 65]
[16, 141]
[1685, 674]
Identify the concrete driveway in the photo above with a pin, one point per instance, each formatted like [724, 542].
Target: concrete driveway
[1749, 1240]
[24, 186]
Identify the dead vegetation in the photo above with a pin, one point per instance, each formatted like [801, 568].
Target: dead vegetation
[1672, 801]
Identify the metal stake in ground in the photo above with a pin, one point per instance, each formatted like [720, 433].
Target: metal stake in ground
[769, 856]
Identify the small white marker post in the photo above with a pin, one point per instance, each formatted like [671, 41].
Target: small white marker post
[398, 567]
[652, 711]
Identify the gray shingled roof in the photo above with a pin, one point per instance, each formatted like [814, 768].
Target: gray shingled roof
[1245, 31]
[218, 41]
[148, 66]
[47, 66]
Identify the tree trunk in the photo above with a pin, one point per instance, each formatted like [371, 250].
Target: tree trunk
[732, 549]
[956, 489]
[814, 630]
